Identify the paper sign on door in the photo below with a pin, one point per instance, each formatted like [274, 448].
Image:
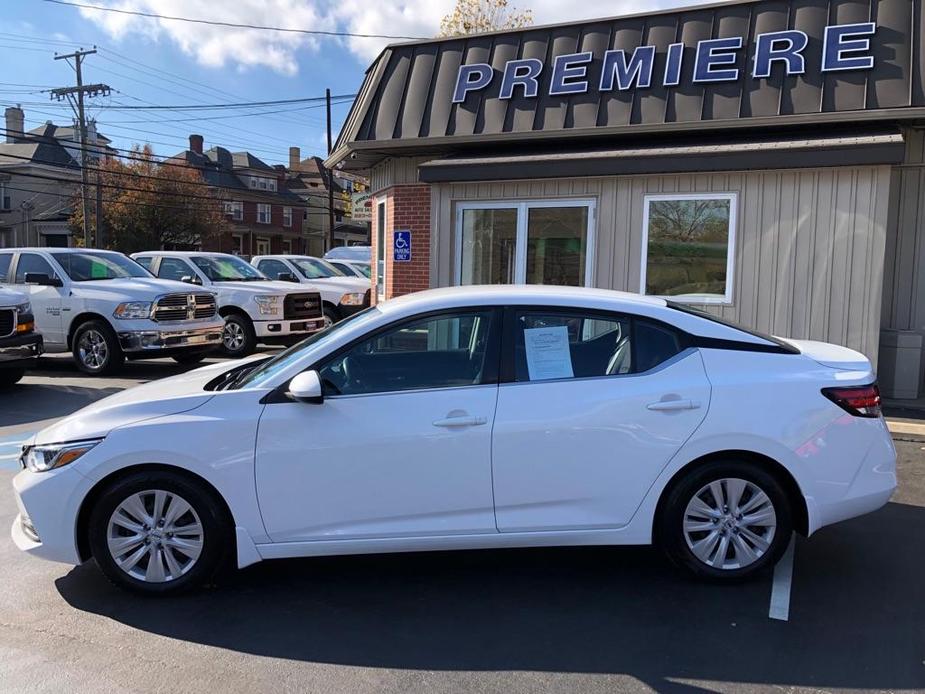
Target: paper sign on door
[548, 353]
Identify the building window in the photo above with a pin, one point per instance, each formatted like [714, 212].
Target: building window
[252, 182]
[262, 183]
[287, 216]
[237, 244]
[287, 247]
[5, 203]
[263, 245]
[263, 213]
[537, 242]
[271, 184]
[234, 209]
[688, 246]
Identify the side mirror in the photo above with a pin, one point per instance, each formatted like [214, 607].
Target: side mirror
[190, 279]
[306, 387]
[287, 277]
[43, 280]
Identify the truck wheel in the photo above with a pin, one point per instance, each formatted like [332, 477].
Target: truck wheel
[96, 348]
[238, 336]
[331, 316]
[9, 377]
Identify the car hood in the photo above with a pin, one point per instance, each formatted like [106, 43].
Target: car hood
[256, 288]
[834, 356]
[159, 398]
[344, 284]
[10, 298]
[131, 289]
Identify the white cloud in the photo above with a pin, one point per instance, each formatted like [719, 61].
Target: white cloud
[216, 46]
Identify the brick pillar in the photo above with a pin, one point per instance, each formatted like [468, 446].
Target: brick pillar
[407, 208]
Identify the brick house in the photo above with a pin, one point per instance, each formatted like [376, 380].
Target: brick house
[263, 213]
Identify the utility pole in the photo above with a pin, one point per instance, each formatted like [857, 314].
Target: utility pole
[327, 98]
[75, 96]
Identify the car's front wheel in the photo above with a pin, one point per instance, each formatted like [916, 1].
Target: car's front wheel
[96, 348]
[726, 520]
[238, 337]
[158, 533]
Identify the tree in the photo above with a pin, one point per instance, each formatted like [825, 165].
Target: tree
[148, 205]
[478, 16]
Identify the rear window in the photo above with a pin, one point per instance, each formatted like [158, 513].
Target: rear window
[684, 308]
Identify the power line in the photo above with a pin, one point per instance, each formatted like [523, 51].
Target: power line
[212, 107]
[235, 25]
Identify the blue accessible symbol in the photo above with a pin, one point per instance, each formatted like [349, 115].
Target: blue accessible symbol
[401, 246]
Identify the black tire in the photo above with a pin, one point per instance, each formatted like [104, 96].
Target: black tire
[238, 337]
[217, 537]
[671, 535]
[10, 377]
[96, 365]
[331, 315]
[192, 358]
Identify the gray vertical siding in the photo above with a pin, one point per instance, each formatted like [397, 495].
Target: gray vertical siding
[809, 253]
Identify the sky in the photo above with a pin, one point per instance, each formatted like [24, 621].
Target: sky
[158, 61]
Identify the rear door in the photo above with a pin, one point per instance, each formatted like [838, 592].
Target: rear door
[594, 407]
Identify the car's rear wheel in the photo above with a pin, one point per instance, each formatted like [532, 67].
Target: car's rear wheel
[726, 520]
[158, 533]
[96, 348]
[238, 337]
[10, 377]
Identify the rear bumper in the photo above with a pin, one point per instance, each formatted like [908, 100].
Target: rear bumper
[19, 350]
[154, 341]
[282, 328]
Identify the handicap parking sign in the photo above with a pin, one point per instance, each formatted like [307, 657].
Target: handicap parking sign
[401, 246]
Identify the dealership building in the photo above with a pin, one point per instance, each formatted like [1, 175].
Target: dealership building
[764, 160]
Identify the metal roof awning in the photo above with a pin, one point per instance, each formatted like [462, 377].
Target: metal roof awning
[766, 153]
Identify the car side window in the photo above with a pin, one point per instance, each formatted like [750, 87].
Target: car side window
[272, 268]
[564, 344]
[145, 262]
[443, 351]
[31, 262]
[5, 260]
[174, 269]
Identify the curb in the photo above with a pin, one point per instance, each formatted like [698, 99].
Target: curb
[906, 428]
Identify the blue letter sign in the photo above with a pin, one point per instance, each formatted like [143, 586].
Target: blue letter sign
[401, 246]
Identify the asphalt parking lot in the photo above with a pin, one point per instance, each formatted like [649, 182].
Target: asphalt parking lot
[566, 620]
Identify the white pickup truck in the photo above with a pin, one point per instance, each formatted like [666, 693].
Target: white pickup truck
[255, 308]
[105, 308]
[20, 344]
[341, 295]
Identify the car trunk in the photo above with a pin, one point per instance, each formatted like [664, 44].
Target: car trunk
[834, 356]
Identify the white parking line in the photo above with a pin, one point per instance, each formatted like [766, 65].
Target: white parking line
[780, 588]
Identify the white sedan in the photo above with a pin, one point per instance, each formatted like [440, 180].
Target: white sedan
[466, 418]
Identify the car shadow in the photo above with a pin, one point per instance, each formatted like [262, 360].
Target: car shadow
[25, 403]
[856, 615]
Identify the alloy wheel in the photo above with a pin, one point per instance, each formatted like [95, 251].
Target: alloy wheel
[233, 336]
[93, 349]
[729, 524]
[155, 536]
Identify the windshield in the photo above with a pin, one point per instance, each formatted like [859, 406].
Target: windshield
[227, 268]
[313, 269]
[362, 268]
[282, 361]
[90, 266]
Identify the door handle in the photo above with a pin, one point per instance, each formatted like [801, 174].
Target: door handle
[464, 421]
[673, 405]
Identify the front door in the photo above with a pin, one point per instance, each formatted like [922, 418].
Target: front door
[48, 303]
[401, 445]
[598, 405]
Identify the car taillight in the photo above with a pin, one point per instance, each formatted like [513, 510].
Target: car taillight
[860, 401]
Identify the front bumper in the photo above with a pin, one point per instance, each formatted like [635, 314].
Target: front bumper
[282, 328]
[20, 348]
[134, 341]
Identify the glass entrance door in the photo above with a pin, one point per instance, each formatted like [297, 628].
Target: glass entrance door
[531, 242]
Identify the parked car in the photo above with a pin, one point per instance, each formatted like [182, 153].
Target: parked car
[342, 296]
[464, 418]
[20, 344]
[352, 268]
[103, 308]
[363, 253]
[255, 308]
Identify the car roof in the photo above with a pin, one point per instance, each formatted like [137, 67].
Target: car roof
[185, 254]
[55, 249]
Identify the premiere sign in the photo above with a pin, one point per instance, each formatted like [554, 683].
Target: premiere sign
[844, 47]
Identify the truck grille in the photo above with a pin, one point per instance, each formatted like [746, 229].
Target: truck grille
[7, 321]
[302, 306]
[183, 307]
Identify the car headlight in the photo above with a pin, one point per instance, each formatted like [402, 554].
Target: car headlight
[24, 308]
[44, 458]
[133, 310]
[354, 299]
[267, 305]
